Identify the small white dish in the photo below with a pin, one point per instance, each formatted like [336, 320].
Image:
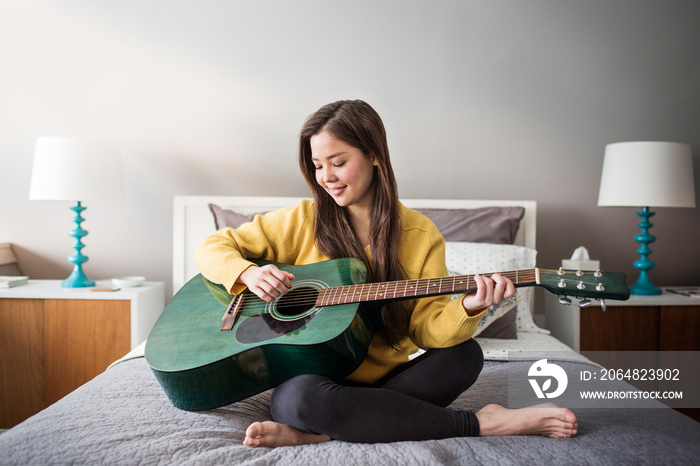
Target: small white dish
[128, 282]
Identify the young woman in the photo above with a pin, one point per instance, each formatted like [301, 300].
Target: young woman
[344, 157]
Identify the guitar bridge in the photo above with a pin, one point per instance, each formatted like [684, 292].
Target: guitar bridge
[229, 318]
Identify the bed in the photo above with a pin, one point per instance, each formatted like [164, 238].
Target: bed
[124, 417]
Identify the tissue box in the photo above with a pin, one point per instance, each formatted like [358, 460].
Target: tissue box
[580, 265]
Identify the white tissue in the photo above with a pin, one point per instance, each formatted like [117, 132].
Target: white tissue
[580, 260]
[580, 254]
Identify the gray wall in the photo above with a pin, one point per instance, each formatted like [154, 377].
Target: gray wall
[506, 99]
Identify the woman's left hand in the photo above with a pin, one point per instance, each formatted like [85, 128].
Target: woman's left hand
[489, 291]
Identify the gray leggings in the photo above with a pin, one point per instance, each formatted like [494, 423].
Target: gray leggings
[410, 403]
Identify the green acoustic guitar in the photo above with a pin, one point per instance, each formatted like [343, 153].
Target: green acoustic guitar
[210, 348]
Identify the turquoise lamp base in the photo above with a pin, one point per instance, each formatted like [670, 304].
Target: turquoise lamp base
[644, 286]
[77, 278]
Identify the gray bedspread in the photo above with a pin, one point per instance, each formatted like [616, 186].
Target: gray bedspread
[123, 417]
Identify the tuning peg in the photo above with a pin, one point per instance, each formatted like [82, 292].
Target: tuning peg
[598, 273]
[603, 306]
[584, 303]
[564, 300]
[560, 272]
[579, 273]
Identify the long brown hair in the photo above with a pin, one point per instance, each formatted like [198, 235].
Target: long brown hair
[356, 123]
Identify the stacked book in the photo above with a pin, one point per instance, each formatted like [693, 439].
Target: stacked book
[7, 281]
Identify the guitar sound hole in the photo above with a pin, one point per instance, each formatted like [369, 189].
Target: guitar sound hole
[297, 301]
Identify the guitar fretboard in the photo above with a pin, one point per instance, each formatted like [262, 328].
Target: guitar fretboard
[407, 289]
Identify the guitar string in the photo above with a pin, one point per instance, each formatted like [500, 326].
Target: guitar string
[418, 287]
[380, 290]
[310, 297]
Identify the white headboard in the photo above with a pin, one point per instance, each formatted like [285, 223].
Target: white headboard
[193, 221]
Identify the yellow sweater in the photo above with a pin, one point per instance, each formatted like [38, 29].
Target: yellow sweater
[287, 236]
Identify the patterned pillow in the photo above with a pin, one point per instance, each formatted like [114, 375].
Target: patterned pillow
[500, 321]
[469, 258]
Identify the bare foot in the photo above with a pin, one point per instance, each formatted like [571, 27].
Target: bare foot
[273, 434]
[546, 419]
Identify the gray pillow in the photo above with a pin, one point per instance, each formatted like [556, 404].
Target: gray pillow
[496, 225]
[224, 218]
[505, 327]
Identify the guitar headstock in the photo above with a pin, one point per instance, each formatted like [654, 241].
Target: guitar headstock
[584, 284]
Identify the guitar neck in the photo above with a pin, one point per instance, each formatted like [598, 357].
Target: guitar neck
[421, 288]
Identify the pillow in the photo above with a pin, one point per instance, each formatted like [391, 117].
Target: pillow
[503, 328]
[224, 218]
[470, 258]
[500, 321]
[497, 225]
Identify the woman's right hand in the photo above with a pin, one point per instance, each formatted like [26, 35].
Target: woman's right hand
[267, 282]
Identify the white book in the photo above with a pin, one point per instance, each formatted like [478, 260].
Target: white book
[7, 281]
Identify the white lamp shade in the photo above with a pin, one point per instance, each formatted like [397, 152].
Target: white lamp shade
[76, 169]
[647, 174]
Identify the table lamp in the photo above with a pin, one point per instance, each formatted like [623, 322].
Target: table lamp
[76, 169]
[647, 174]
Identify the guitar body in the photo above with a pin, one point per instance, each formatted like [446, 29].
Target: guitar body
[201, 366]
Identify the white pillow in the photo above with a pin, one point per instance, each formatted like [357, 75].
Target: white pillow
[470, 258]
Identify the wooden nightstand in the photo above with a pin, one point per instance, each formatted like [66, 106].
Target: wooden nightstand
[667, 322]
[54, 339]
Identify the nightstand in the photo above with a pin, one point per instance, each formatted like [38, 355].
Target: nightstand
[666, 322]
[54, 339]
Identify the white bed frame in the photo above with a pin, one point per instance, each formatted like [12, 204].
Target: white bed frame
[193, 221]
